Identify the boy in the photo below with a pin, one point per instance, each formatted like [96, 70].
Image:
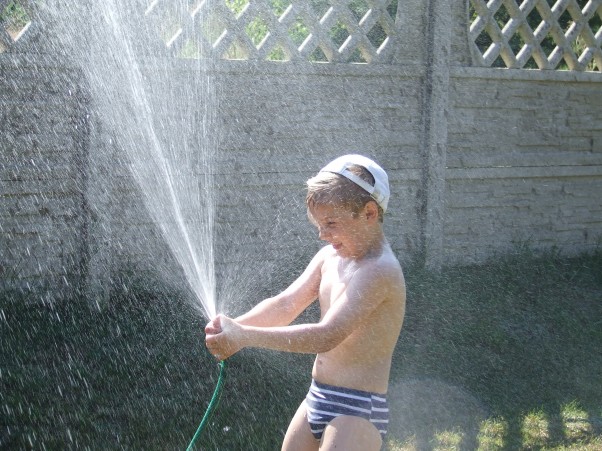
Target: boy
[361, 291]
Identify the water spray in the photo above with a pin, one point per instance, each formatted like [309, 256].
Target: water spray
[217, 393]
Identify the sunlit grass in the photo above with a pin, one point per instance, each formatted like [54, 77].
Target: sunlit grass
[535, 430]
[492, 433]
[447, 440]
[576, 421]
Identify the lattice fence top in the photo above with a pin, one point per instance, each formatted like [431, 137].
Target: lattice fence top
[531, 34]
[537, 34]
[358, 31]
[362, 31]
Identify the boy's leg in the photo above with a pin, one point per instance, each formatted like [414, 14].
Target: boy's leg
[351, 434]
[298, 435]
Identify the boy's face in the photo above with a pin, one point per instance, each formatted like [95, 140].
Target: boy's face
[343, 229]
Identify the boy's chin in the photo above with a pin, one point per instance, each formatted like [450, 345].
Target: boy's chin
[343, 252]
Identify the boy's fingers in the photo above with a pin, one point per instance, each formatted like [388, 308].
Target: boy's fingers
[210, 330]
[218, 351]
[213, 327]
[212, 345]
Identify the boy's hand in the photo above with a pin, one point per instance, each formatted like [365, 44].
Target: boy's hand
[223, 337]
[213, 327]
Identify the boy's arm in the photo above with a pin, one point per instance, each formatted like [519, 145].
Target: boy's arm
[367, 289]
[283, 308]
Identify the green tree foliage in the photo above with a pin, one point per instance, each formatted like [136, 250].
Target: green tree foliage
[14, 17]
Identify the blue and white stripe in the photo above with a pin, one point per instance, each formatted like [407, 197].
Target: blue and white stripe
[326, 402]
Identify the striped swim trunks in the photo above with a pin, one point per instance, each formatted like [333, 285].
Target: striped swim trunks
[326, 402]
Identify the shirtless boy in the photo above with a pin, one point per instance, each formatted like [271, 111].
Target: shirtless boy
[361, 291]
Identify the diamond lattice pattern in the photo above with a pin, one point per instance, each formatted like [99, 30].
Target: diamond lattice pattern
[359, 31]
[537, 34]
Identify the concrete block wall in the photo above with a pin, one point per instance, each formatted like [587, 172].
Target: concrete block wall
[275, 131]
[44, 145]
[479, 158]
[277, 134]
[524, 163]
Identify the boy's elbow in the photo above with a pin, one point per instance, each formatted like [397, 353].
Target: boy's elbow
[325, 347]
[330, 338]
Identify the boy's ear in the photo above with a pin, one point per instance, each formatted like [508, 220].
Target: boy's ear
[371, 210]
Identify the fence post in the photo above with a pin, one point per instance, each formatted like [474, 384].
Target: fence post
[434, 131]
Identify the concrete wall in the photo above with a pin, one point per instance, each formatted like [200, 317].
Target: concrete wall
[524, 162]
[479, 158]
[44, 145]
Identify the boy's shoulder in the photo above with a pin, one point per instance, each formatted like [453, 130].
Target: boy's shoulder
[327, 252]
[384, 265]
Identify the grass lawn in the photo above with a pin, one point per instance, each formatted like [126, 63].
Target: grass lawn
[504, 356]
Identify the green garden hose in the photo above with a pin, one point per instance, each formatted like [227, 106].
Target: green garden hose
[217, 393]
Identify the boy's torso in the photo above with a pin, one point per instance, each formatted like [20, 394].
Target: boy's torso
[363, 360]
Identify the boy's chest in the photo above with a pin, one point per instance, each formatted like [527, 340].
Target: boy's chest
[334, 283]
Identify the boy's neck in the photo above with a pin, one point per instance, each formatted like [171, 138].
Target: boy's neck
[374, 246]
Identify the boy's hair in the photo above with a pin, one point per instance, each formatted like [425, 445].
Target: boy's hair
[334, 189]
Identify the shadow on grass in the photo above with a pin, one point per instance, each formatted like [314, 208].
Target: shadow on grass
[133, 376]
[502, 356]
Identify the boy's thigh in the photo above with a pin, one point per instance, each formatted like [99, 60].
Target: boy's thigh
[298, 435]
[351, 434]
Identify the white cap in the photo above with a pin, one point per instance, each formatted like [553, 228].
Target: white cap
[380, 191]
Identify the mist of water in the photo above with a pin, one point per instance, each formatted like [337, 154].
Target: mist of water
[171, 155]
